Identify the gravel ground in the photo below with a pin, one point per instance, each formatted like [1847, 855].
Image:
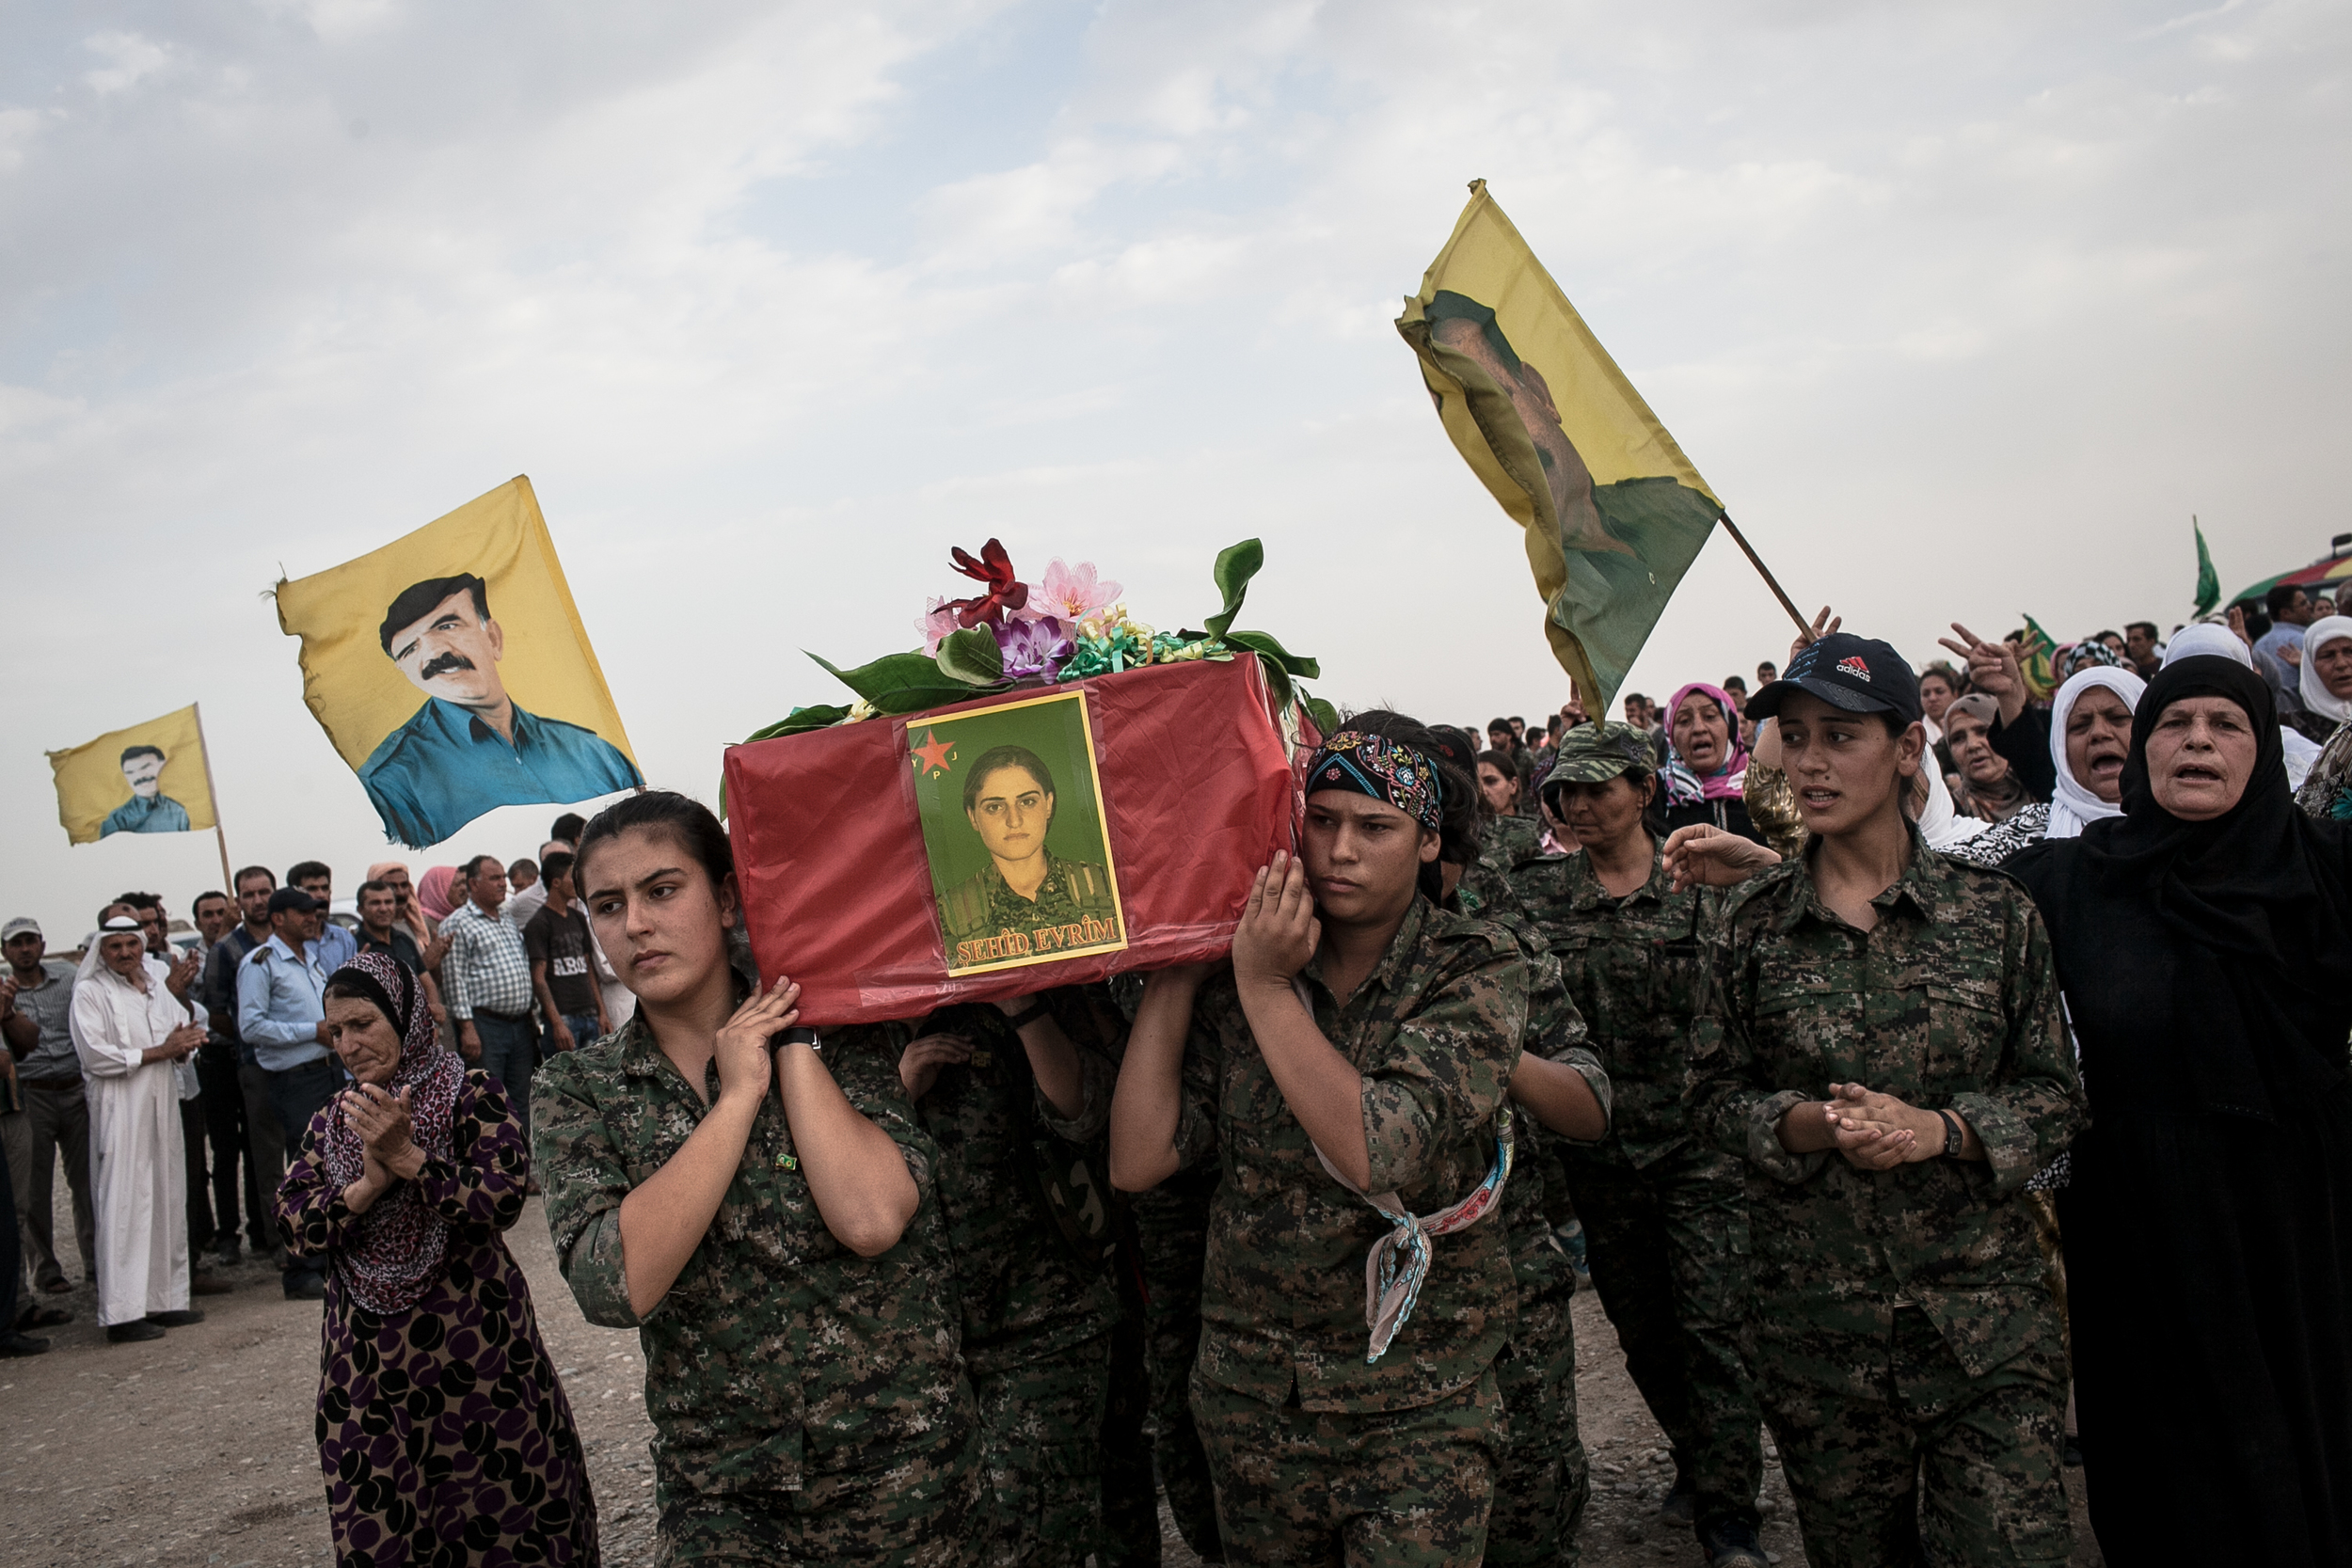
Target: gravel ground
[197, 1448]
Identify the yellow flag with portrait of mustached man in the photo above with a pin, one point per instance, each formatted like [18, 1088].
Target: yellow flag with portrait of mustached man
[1612, 511]
[452, 671]
[151, 778]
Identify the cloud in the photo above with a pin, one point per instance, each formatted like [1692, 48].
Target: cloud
[1964, 308]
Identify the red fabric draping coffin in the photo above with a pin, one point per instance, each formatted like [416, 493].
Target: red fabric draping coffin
[1198, 792]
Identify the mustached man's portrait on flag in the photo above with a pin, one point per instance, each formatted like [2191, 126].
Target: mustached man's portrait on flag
[1013, 822]
[148, 779]
[471, 614]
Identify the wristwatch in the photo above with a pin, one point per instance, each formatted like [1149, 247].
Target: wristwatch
[1952, 1135]
[1026, 1016]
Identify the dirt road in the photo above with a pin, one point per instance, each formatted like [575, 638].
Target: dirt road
[197, 1449]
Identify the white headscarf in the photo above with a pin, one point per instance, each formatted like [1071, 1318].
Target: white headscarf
[121, 925]
[2331, 628]
[2074, 804]
[2206, 638]
[1939, 824]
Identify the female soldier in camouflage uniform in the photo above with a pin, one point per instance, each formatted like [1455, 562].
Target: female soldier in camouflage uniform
[1881, 1040]
[1665, 1219]
[999, 1086]
[1366, 1052]
[781, 1255]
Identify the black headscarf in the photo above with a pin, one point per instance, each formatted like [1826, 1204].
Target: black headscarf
[2231, 940]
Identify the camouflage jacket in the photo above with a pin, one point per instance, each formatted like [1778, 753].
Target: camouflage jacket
[1074, 902]
[778, 1349]
[1435, 1031]
[1634, 967]
[1949, 1003]
[1556, 1031]
[1023, 1293]
[1504, 843]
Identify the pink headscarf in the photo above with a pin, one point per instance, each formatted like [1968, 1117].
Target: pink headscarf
[433, 891]
[1724, 784]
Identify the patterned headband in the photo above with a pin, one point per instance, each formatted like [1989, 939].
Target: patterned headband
[1375, 766]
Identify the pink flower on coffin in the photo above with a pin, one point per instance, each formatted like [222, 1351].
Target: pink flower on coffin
[937, 620]
[1068, 594]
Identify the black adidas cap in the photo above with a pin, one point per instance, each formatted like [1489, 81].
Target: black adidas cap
[1860, 674]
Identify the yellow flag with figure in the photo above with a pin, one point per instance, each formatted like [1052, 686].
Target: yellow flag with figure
[451, 670]
[1613, 513]
[151, 778]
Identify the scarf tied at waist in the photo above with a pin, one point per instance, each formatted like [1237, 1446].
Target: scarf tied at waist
[1399, 1262]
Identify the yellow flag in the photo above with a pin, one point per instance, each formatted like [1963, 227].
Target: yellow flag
[1613, 514]
[151, 778]
[451, 670]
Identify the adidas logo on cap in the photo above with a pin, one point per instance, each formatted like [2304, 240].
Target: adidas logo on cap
[1852, 665]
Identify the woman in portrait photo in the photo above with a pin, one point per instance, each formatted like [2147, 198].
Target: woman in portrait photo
[1025, 887]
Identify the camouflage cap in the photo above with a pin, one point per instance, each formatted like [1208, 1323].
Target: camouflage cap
[1595, 753]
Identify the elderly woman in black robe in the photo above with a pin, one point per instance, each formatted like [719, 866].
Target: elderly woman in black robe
[2204, 949]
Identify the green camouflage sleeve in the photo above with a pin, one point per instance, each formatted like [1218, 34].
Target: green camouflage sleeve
[1092, 1020]
[1731, 1110]
[863, 1060]
[1596, 1079]
[1446, 1071]
[2035, 1105]
[1215, 1012]
[585, 1180]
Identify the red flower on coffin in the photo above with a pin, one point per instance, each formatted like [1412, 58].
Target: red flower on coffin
[994, 568]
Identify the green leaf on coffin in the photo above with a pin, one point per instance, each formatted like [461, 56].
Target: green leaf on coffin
[1266, 646]
[901, 682]
[971, 656]
[1236, 565]
[1326, 718]
[799, 720]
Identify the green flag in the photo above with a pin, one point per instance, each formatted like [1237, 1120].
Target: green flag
[2208, 580]
[2033, 662]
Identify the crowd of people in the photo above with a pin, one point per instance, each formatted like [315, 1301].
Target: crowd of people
[1921, 1049]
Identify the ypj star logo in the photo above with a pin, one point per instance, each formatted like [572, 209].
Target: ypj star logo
[933, 757]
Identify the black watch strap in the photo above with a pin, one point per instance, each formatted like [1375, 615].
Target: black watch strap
[1952, 1135]
[1026, 1016]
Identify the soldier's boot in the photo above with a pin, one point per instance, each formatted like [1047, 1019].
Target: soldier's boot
[1733, 1543]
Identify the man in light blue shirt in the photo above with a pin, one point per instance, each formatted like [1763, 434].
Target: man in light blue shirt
[337, 946]
[281, 1016]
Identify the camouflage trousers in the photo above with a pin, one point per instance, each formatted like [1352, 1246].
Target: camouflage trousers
[1039, 1427]
[917, 1510]
[1173, 1228]
[1541, 1482]
[1931, 1465]
[1398, 1488]
[1131, 1509]
[1668, 1247]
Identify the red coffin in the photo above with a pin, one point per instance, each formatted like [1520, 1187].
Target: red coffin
[1197, 789]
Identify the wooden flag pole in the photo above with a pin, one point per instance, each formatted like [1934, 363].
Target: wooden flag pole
[1805, 627]
[220, 838]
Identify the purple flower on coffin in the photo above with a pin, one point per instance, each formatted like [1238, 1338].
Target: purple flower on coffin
[1033, 648]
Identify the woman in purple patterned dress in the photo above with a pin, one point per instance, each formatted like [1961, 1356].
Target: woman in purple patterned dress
[443, 1432]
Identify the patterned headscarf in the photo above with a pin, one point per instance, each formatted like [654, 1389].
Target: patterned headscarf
[1375, 766]
[2088, 653]
[1684, 787]
[402, 1243]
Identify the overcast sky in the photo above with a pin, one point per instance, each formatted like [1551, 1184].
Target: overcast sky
[1964, 309]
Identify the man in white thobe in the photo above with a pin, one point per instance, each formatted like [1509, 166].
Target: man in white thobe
[131, 1032]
